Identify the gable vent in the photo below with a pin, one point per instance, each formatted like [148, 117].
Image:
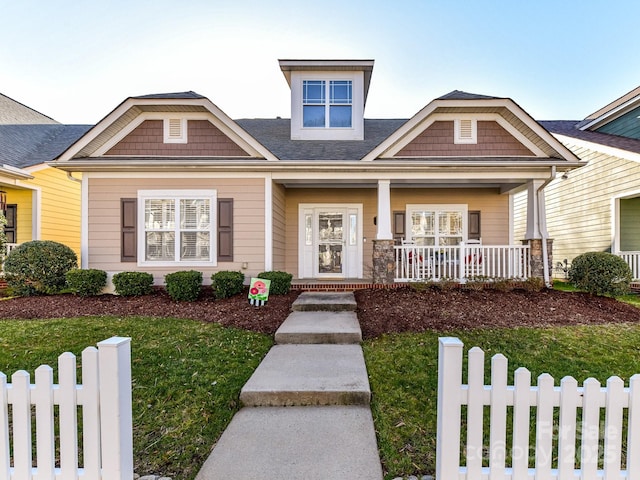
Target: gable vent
[175, 130]
[465, 131]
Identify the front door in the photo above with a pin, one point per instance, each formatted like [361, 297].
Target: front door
[330, 241]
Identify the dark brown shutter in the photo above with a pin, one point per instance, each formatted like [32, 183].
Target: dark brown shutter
[225, 229]
[10, 231]
[128, 237]
[398, 226]
[474, 225]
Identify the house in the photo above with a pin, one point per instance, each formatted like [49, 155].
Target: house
[39, 202]
[597, 207]
[170, 182]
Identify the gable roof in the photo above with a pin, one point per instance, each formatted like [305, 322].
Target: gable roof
[571, 129]
[503, 110]
[27, 145]
[133, 110]
[612, 111]
[13, 112]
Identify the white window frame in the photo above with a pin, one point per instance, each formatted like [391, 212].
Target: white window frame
[177, 195]
[436, 208]
[461, 133]
[168, 137]
[327, 101]
[355, 132]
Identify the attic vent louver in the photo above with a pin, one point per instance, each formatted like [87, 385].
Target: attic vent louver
[175, 130]
[465, 131]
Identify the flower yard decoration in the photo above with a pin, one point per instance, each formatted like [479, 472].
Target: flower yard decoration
[259, 291]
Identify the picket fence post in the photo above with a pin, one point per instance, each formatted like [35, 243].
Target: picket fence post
[115, 408]
[449, 407]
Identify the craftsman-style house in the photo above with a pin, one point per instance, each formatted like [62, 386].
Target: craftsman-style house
[170, 182]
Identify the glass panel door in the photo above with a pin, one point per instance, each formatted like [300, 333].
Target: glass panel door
[331, 239]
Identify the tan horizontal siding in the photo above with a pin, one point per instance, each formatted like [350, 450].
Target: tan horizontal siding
[104, 221]
[279, 228]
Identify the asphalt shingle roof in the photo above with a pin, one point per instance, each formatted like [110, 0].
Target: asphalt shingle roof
[569, 128]
[26, 145]
[175, 95]
[275, 135]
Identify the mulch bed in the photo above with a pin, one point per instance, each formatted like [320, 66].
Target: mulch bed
[405, 310]
[379, 311]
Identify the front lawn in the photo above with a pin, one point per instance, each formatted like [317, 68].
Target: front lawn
[403, 375]
[186, 374]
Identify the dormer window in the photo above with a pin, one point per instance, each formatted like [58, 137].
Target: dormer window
[318, 111]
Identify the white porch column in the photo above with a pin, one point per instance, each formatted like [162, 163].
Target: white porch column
[384, 211]
[536, 212]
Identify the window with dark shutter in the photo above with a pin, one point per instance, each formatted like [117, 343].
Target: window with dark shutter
[225, 229]
[128, 240]
[398, 227]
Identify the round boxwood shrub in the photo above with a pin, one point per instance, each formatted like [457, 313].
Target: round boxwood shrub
[280, 281]
[600, 273]
[226, 283]
[130, 284]
[39, 267]
[184, 286]
[87, 282]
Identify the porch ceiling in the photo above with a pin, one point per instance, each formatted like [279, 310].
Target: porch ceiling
[505, 186]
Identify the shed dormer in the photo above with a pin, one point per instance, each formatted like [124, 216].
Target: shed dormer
[327, 98]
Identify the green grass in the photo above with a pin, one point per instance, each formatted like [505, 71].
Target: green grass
[186, 378]
[403, 374]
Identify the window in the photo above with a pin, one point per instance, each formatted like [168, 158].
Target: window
[437, 225]
[177, 226]
[320, 112]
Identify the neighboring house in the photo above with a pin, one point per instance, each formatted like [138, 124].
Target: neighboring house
[170, 182]
[597, 207]
[39, 202]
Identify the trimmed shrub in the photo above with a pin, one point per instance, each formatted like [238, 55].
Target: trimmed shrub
[600, 273]
[184, 286]
[226, 283]
[86, 282]
[280, 282]
[39, 267]
[133, 284]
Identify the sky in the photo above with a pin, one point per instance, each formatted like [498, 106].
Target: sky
[76, 61]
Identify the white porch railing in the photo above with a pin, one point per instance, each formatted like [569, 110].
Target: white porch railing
[105, 400]
[461, 262]
[633, 260]
[555, 443]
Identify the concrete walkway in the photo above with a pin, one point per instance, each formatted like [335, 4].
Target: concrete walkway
[306, 407]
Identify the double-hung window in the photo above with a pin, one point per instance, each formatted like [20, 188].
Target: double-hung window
[178, 226]
[327, 104]
[437, 225]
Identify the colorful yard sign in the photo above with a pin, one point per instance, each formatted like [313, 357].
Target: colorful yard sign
[259, 291]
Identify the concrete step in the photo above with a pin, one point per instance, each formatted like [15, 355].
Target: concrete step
[320, 327]
[309, 375]
[314, 443]
[325, 301]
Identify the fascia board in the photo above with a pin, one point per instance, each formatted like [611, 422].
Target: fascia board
[14, 173]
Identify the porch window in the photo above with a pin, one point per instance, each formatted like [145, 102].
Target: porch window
[437, 225]
[177, 227]
[322, 112]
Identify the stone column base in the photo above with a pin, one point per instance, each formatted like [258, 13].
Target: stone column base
[384, 262]
[537, 267]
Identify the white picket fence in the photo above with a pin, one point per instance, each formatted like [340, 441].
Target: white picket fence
[560, 441]
[105, 400]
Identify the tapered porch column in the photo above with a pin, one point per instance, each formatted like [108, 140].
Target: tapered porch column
[383, 253]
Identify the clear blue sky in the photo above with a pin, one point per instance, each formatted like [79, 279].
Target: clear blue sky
[77, 60]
